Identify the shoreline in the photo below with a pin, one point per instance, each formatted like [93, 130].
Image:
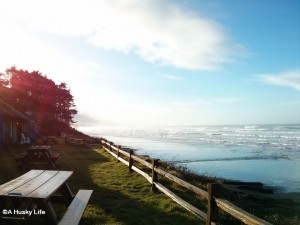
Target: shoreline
[256, 190]
[231, 164]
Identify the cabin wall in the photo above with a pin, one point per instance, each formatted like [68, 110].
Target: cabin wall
[11, 129]
[1, 131]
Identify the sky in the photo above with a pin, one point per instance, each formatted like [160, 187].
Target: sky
[162, 62]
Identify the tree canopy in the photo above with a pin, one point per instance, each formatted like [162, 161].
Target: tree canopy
[49, 103]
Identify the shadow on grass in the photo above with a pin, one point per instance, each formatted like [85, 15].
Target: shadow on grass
[119, 208]
[120, 196]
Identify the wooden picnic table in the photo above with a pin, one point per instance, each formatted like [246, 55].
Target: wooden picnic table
[29, 196]
[38, 153]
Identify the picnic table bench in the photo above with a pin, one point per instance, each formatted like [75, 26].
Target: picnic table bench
[38, 153]
[29, 196]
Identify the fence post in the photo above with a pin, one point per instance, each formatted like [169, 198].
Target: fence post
[130, 160]
[110, 148]
[154, 174]
[118, 153]
[212, 208]
[100, 142]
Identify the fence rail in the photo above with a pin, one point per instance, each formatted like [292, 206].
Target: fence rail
[214, 203]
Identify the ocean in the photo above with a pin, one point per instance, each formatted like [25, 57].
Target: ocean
[262, 153]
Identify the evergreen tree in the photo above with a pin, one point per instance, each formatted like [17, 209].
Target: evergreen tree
[51, 104]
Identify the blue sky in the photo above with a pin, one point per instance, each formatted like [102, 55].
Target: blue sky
[162, 62]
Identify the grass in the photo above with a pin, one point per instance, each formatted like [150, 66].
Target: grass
[119, 197]
[124, 198]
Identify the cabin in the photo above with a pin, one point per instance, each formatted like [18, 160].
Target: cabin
[15, 126]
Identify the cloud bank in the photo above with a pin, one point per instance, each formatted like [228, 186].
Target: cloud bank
[289, 79]
[158, 31]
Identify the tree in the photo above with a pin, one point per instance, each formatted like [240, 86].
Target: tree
[4, 82]
[49, 103]
[65, 107]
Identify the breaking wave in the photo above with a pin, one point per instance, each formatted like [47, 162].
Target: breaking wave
[258, 157]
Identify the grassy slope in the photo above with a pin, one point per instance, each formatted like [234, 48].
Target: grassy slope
[119, 197]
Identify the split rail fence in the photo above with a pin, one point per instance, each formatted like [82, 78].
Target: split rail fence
[214, 203]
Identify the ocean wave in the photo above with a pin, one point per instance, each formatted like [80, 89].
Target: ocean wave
[258, 157]
[264, 136]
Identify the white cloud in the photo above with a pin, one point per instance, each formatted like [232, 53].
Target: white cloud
[172, 77]
[156, 30]
[228, 100]
[219, 101]
[94, 65]
[207, 102]
[183, 104]
[289, 79]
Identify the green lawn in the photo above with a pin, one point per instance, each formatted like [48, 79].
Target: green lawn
[119, 197]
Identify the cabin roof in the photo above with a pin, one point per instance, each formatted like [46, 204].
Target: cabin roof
[9, 111]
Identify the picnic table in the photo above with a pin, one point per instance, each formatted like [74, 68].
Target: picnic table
[38, 153]
[29, 196]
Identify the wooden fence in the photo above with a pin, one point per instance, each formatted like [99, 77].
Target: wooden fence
[214, 203]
